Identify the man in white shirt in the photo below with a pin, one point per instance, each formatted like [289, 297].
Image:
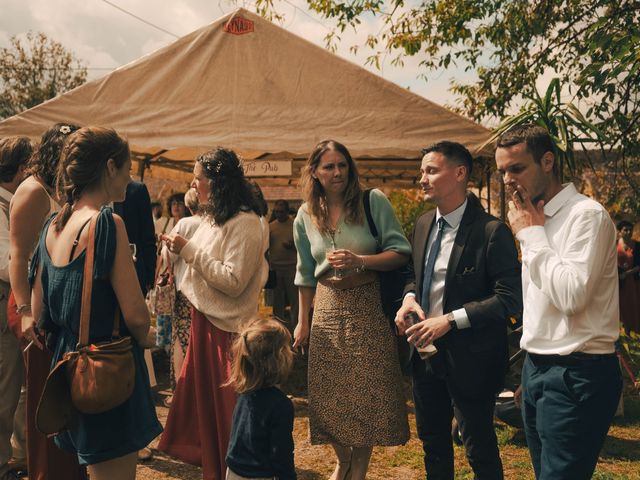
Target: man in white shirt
[571, 379]
[14, 153]
[463, 285]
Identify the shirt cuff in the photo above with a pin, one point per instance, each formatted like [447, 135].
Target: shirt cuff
[188, 252]
[461, 318]
[533, 236]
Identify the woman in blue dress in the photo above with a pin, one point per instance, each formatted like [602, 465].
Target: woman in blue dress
[94, 171]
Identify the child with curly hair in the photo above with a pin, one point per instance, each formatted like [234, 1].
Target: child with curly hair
[261, 445]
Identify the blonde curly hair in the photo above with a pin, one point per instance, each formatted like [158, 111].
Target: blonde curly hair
[262, 356]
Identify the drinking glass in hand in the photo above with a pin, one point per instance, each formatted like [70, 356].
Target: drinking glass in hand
[425, 351]
[337, 273]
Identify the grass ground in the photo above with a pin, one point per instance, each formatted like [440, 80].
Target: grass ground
[619, 460]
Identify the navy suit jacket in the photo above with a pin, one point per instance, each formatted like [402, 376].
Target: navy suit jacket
[137, 216]
[484, 277]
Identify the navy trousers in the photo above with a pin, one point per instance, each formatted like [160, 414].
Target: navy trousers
[567, 407]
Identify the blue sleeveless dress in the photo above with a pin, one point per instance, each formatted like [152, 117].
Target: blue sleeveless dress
[131, 426]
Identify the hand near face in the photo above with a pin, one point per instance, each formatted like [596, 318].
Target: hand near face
[522, 212]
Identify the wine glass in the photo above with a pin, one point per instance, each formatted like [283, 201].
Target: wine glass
[329, 251]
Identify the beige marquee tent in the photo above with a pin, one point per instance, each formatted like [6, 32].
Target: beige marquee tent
[248, 84]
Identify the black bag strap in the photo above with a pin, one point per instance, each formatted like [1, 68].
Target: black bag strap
[366, 200]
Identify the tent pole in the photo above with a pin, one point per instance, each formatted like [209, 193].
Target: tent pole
[141, 167]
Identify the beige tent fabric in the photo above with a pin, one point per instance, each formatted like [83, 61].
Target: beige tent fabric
[267, 90]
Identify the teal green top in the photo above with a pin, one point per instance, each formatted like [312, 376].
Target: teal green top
[312, 245]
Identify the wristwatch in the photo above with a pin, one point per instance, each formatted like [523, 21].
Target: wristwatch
[452, 321]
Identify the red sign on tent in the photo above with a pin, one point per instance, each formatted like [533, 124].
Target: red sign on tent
[238, 26]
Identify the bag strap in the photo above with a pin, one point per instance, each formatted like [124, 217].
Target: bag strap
[87, 288]
[366, 200]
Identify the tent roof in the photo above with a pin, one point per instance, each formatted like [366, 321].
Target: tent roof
[262, 91]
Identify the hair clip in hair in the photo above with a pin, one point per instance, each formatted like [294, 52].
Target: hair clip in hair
[65, 129]
[214, 168]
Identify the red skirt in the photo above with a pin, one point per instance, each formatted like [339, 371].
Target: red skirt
[199, 422]
[45, 461]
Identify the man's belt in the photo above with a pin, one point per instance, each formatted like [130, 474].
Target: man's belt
[572, 360]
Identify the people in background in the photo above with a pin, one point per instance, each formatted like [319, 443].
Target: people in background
[136, 214]
[156, 210]
[33, 202]
[177, 210]
[14, 155]
[628, 268]
[282, 261]
[181, 319]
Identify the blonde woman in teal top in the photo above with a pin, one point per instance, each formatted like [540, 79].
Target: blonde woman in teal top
[355, 394]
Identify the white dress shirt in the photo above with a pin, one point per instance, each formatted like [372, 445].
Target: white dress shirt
[570, 278]
[4, 238]
[436, 295]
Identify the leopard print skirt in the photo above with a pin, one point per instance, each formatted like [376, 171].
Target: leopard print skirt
[355, 385]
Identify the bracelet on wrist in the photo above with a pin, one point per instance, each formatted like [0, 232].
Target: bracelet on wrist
[362, 267]
[23, 309]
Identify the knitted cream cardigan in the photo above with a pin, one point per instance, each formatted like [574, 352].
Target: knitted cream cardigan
[226, 269]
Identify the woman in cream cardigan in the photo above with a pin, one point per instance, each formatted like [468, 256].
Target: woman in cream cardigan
[226, 269]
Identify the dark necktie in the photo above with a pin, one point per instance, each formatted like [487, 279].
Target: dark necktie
[431, 261]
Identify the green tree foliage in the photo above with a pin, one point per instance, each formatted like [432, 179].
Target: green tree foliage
[34, 69]
[591, 46]
[565, 123]
[408, 206]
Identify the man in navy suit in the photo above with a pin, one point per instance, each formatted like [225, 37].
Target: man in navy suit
[136, 213]
[463, 284]
[138, 220]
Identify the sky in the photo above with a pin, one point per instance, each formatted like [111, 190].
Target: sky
[105, 38]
